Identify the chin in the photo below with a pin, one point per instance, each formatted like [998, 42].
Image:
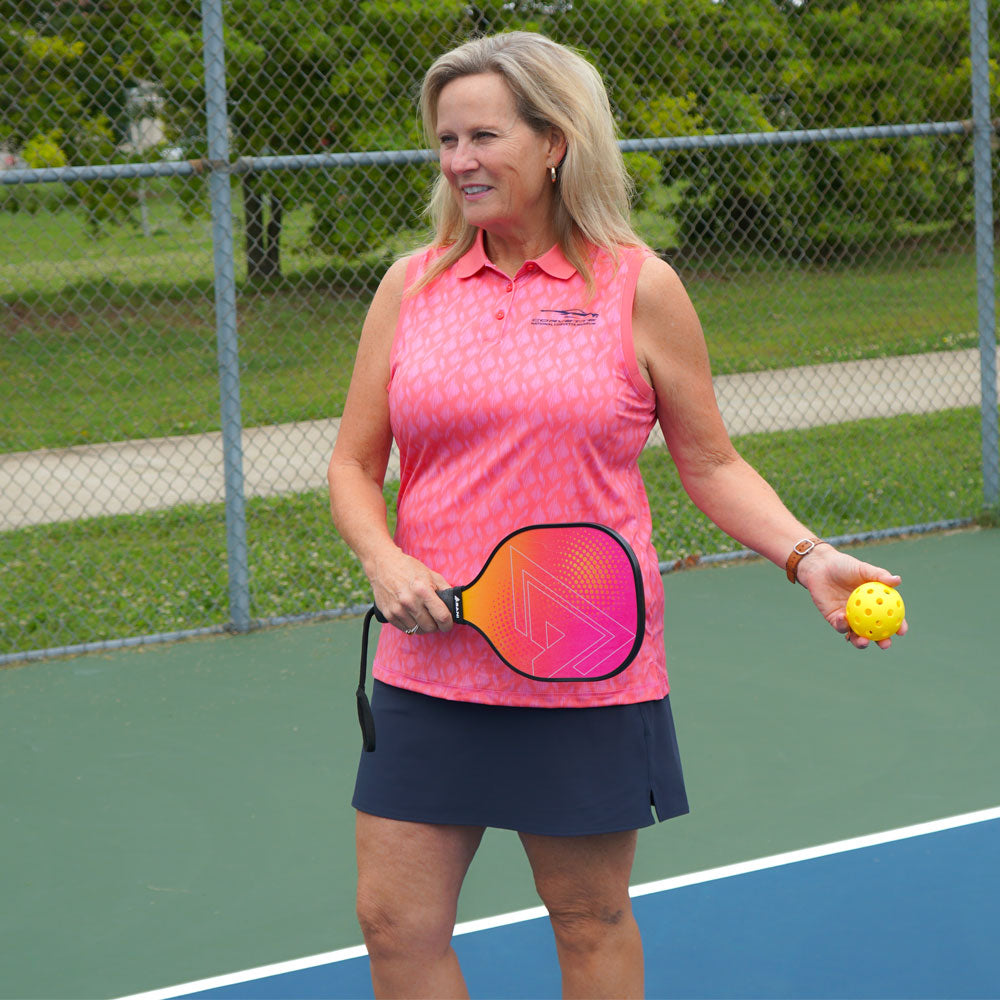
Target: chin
[480, 219]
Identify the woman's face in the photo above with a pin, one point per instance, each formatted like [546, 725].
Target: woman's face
[496, 165]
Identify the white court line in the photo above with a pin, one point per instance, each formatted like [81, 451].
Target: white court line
[534, 912]
[821, 851]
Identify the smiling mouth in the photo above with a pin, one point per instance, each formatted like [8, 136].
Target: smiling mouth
[473, 189]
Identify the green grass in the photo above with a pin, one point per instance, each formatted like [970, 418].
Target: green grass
[47, 251]
[115, 353]
[114, 339]
[109, 577]
[858, 477]
[149, 368]
[166, 571]
[781, 317]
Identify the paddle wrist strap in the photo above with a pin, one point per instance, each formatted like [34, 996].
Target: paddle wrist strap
[365, 717]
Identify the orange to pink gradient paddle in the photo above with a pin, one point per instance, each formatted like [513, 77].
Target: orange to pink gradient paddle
[556, 602]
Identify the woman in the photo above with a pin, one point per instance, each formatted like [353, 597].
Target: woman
[520, 363]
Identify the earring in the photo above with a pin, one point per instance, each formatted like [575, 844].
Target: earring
[552, 174]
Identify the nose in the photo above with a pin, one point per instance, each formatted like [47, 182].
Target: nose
[463, 158]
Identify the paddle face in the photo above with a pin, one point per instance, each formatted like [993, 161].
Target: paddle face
[558, 602]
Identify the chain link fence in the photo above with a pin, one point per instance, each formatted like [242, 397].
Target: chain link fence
[196, 205]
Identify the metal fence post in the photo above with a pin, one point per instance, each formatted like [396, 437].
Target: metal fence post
[985, 282]
[225, 313]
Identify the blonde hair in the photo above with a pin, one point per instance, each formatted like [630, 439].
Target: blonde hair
[553, 87]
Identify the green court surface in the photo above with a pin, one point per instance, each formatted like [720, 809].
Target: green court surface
[176, 812]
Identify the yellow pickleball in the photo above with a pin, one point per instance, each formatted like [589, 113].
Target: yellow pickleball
[875, 611]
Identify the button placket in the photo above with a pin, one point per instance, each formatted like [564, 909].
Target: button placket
[503, 309]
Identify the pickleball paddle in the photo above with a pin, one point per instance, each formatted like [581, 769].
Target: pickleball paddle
[555, 602]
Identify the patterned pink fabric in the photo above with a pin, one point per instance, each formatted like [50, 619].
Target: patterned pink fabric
[517, 401]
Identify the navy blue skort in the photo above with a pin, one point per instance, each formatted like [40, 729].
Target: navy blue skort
[553, 771]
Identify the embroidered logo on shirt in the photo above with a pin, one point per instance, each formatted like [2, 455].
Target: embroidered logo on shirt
[565, 317]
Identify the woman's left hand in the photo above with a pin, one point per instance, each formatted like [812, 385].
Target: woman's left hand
[830, 577]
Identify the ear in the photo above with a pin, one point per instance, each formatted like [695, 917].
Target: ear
[557, 146]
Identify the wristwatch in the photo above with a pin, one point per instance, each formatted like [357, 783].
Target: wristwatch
[800, 550]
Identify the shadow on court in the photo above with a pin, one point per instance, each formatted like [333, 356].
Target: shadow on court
[174, 813]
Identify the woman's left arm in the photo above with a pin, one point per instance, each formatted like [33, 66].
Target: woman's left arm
[670, 348]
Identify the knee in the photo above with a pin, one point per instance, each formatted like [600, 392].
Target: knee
[585, 924]
[392, 930]
[380, 927]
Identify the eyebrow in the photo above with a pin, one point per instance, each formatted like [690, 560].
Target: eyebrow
[481, 126]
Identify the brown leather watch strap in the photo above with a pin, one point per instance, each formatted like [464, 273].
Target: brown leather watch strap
[800, 550]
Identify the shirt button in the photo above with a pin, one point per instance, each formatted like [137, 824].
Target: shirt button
[499, 314]
[510, 286]
[531, 267]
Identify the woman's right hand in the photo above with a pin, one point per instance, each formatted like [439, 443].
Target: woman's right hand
[406, 593]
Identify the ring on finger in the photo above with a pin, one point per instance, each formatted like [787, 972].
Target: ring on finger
[411, 631]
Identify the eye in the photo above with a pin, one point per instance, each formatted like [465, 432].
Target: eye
[483, 134]
[447, 139]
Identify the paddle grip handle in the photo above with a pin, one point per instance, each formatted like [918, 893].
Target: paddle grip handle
[452, 597]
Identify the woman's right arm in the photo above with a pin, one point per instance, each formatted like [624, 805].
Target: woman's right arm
[404, 588]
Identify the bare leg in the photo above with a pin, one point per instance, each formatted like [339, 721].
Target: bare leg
[583, 882]
[409, 878]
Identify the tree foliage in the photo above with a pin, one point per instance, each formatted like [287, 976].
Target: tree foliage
[67, 70]
[341, 75]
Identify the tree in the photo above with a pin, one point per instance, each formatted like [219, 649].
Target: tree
[332, 76]
[67, 69]
[715, 66]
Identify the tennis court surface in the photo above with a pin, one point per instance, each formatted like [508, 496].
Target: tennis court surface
[177, 814]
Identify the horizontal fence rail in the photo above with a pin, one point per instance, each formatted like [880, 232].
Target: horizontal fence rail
[396, 157]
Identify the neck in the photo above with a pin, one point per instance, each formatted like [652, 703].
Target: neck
[509, 251]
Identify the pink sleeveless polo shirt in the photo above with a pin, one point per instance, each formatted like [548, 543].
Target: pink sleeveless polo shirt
[515, 401]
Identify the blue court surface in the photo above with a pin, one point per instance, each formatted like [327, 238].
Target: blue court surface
[909, 913]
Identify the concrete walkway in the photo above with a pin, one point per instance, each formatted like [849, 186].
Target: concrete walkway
[41, 487]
